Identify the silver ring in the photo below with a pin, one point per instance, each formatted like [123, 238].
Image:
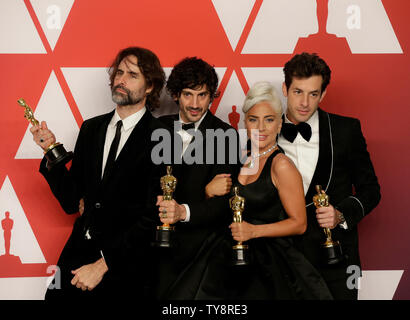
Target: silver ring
[164, 215]
[164, 211]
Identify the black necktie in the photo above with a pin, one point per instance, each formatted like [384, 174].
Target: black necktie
[113, 149]
[290, 131]
[187, 126]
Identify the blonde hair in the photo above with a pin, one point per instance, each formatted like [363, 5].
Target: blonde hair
[263, 91]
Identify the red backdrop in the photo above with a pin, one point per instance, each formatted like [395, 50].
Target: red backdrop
[370, 86]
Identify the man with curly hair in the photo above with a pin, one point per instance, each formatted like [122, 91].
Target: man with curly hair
[199, 209]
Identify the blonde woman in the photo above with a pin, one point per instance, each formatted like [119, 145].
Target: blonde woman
[274, 211]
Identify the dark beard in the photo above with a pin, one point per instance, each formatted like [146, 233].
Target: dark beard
[122, 99]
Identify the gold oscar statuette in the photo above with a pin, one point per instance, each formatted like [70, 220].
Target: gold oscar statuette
[54, 153]
[163, 234]
[240, 250]
[332, 249]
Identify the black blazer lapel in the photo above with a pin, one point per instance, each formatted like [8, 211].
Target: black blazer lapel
[99, 147]
[206, 123]
[324, 166]
[136, 143]
[169, 120]
[137, 139]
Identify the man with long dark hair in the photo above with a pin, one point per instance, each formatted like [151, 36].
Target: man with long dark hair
[111, 172]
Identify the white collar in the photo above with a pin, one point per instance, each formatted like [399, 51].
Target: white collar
[130, 121]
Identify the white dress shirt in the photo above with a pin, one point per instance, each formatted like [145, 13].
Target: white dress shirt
[186, 139]
[128, 124]
[304, 154]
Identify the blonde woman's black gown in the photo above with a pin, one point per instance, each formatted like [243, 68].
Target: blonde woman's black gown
[277, 270]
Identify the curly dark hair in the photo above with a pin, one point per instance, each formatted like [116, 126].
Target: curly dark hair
[305, 65]
[150, 67]
[192, 72]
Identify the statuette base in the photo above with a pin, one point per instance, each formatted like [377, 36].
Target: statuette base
[332, 253]
[240, 255]
[57, 155]
[163, 236]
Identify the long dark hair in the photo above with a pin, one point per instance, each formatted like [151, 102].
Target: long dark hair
[150, 67]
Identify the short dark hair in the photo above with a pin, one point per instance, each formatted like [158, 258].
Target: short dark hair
[305, 65]
[150, 67]
[192, 72]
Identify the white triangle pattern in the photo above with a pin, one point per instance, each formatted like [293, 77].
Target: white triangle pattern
[23, 288]
[18, 33]
[375, 34]
[233, 96]
[90, 88]
[272, 74]
[52, 15]
[379, 284]
[54, 109]
[220, 72]
[23, 241]
[279, 25]
[240, 10]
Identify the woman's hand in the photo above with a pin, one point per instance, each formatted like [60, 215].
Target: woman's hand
[243, 231]
[220, 185]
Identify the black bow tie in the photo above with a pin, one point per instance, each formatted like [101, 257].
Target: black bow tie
[187, 126]
[290, 131]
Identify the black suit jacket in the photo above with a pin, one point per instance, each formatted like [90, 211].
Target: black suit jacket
[115, 208]
[206, 215]
[345, 172]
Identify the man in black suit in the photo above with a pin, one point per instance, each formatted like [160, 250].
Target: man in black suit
[204, 161]
[329, 150]
[110, 171]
